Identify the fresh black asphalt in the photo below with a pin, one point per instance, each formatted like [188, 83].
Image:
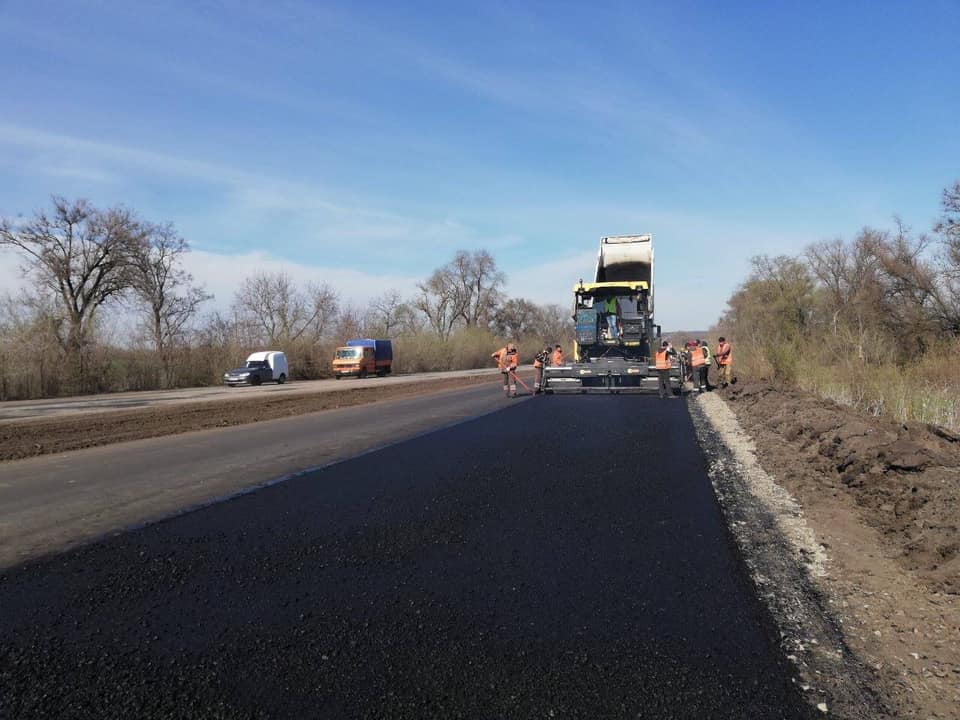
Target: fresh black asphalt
[564, 557]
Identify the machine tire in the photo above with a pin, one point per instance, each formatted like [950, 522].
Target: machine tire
[362, 374]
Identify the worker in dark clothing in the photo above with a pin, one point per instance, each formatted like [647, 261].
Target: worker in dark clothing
[540, 360]
[664, 362]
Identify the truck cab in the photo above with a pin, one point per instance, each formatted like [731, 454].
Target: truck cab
[362, 357]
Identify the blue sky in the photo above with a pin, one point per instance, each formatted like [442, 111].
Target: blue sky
[364, 143]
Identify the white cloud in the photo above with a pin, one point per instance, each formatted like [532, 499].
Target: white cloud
[552, 281]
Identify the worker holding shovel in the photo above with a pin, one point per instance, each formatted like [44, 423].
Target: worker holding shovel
[507, 359]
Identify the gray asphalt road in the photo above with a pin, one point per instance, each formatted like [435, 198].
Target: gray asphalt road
[49, 502]
[33, 409]
[564, 557]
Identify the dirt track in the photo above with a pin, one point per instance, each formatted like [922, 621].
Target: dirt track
[41, 437]
[884, 501]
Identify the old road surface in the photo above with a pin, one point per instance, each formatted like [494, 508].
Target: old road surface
[563, 557]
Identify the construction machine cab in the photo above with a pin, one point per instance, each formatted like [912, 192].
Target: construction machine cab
[612, 320]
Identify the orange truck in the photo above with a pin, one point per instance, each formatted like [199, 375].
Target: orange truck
[363, 357]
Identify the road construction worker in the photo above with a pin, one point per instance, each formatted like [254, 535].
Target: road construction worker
[697, 363]
[664, 361]
[724, 358]
[541, 359]
[556, 360]
[686, 358]
[708, 358]
[507, 360]
[611, 310]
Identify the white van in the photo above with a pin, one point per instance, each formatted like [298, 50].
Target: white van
[261, 367]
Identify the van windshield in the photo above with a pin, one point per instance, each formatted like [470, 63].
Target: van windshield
[256, 363]
[348, 353]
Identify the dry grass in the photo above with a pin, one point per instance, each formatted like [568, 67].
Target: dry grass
[926, 391]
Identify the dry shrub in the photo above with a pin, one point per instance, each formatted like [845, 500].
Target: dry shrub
[927, 390]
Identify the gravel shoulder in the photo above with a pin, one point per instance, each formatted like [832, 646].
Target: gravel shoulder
[881, 501]
[29, 438]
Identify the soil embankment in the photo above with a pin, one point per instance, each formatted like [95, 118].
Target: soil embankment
[884, 500]
[41, 437]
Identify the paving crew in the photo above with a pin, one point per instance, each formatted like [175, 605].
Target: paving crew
[541, 359]
[708, 357]
[507, 359]
[724, 358]
[697, 363]
[556, 360]
[664, 361]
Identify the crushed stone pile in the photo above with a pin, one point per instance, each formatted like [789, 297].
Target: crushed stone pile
[905, 478]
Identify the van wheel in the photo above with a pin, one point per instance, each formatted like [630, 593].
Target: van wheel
[282, 379]
[256, 381]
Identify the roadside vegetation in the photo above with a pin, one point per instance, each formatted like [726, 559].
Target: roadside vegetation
[110, 307]
[872, 322]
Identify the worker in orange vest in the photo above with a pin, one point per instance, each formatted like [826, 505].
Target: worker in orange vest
[539, 361]
[724, 358]
[664, 362]
[557, 358]
[507, 359]
[698, 361]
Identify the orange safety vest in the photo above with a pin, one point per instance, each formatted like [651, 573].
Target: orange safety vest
[557, 358]
[721, 358]
[506, 361]
[696, 357]
[663, 360]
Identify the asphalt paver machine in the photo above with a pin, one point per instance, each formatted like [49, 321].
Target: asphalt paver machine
[616, 336]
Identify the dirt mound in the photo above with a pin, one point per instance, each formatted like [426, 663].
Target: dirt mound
[905, 478]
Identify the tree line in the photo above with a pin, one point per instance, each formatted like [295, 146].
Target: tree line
[883, 305]
[87, 269]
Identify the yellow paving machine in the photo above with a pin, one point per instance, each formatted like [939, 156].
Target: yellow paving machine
[615, 333]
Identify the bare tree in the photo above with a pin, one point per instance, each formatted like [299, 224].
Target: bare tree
[479, 283]
[83, 257]
[441, 300]
[385, 314]
[949, 224]
[282, 312]
[165, 290]
[516, 317]
[466, 290]
[918, 296]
